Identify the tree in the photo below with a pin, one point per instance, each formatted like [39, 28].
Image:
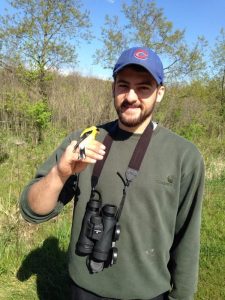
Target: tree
[218, 60]
[145, 24]
[43, 35]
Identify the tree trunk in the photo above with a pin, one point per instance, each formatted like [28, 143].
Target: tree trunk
[43, 85]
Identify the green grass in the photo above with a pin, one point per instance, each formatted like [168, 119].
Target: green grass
[36, 268]
[33, 257]
[212, 262]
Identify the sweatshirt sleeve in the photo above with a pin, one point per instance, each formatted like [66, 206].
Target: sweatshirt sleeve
[184, 254]
[67, 193]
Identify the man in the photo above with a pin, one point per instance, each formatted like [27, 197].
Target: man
[159, 214]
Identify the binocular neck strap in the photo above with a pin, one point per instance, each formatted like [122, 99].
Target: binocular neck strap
[139, 153]
[135, 161]
[133, 166]
[100, 163]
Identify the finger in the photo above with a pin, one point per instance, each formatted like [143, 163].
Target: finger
[76, 149]
[94, 146]
[92, 155]
[72, 152]
[94, 151]
[92, 143]
[73, 144]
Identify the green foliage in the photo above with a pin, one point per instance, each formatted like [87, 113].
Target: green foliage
[14, 108]
[30, 77]
[145, 24]
[43, 35]
[193, 110]
[218, 53]
[39, 114]
[21, 113]
[192, 131]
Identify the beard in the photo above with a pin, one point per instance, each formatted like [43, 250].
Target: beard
[133, 120]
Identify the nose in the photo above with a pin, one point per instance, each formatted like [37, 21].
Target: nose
[131, 95]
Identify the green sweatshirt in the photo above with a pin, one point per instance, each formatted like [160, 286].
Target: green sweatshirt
[158, 248]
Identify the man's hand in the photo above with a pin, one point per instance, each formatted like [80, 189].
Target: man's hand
[70, 161]
[43, 195]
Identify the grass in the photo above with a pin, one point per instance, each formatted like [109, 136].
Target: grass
[33, 257]
[212, 274]
[25, 247]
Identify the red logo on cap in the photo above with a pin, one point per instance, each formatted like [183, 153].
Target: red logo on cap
[141, 54]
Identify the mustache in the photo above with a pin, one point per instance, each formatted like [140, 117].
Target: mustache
[126, 104]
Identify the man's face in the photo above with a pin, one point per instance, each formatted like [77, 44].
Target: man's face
[135, 95]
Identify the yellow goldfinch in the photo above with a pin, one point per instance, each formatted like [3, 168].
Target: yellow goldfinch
[90, 131]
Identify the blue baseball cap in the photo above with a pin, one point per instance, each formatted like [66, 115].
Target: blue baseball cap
[144, 57]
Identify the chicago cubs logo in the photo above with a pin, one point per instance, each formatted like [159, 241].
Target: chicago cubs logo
[141, 54]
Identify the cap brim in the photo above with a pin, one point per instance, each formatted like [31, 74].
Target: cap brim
[128, 64]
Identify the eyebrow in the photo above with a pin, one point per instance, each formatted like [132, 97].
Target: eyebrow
[147, 82]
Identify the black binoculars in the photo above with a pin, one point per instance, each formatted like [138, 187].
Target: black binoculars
[99, 232]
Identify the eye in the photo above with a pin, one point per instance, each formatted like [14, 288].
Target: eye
[144, 91]
[122, 87]
[145, 88]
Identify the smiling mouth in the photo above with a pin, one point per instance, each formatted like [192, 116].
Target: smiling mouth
[130, 108]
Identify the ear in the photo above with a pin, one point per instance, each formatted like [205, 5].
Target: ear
[160, 93]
